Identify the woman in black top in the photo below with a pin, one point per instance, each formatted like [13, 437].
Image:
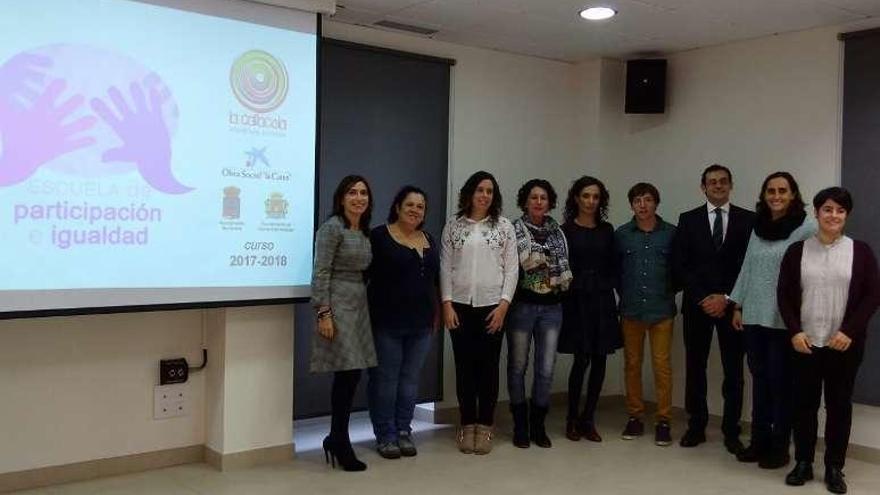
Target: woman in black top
[403, 308]
[590, 329]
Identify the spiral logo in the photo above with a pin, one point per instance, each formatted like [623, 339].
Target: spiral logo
[259, 81]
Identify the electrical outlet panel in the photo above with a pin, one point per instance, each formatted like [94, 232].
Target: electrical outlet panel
[170, 401]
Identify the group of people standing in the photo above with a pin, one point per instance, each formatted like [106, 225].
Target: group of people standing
[791, 295]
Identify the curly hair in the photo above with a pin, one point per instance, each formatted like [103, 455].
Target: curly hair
[522, 196]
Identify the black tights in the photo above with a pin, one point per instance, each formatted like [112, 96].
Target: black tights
[594, 386]
[341, 398]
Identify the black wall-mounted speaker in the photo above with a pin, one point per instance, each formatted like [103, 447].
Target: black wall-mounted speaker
[645, 86]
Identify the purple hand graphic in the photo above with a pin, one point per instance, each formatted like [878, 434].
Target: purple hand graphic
[145, 138]
[36, 135]
[19, 74]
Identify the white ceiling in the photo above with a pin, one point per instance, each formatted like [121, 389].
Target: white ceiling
[552, 28]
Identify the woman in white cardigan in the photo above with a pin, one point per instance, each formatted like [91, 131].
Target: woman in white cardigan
[479, 267]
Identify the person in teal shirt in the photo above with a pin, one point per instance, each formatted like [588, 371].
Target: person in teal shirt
[781, 221]
[647, 307]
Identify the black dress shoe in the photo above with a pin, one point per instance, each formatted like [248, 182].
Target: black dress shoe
[733, 445]
[834, 480]
[749, 454]
[692, 438]
[774, 459]
[802, 473]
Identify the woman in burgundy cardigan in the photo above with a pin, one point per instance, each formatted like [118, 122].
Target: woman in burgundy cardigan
[828, 289]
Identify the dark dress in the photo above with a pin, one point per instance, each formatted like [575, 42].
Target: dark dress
[589, 310]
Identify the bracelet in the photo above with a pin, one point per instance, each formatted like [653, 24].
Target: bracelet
[325, 313]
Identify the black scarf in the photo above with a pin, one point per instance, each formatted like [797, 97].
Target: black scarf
[776, 230]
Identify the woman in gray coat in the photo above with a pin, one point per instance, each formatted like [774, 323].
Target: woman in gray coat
[344, 344]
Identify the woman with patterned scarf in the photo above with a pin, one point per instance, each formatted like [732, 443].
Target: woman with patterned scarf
[536, 314]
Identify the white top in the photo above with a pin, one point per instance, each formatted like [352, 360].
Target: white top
[725, 215]
[479, 264]
[826, 271]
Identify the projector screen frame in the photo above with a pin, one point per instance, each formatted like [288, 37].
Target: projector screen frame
[190, 305]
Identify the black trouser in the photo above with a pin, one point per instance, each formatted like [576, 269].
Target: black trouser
[837, 372]
[477, 353]
[594, 385]
[698, 329]
[341, 398]
[770, 354]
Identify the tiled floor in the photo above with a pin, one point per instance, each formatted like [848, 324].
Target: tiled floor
[613, 467]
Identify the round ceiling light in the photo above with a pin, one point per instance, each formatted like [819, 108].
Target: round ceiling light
[598, 13]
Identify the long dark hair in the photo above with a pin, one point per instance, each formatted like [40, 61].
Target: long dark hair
[398, 202]
[338, 210]
[571, 204]
[795, 207]
[466, 195]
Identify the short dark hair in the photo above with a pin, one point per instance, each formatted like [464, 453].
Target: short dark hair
[398, 202]
[523, 195]
[837, 194]
[641, 189]
[571, 204]
[797, 204]
[715, 167]
[338, 210]
[466, 195]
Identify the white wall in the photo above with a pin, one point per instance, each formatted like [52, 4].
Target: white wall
[80, 388]
[517, 117]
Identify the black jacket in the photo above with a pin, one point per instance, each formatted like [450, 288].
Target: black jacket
[699, 268]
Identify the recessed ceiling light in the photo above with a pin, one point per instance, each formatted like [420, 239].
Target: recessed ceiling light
[598, 13]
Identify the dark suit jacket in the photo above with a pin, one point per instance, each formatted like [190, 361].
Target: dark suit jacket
[701, 269]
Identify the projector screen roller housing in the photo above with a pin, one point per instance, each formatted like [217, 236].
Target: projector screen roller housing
[155, 156]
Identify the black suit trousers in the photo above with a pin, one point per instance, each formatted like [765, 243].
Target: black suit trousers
[698, 330]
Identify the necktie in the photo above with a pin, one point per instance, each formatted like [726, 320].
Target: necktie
[718, 229]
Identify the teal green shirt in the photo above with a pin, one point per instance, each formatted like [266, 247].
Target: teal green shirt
[755, 288]
[646, 290]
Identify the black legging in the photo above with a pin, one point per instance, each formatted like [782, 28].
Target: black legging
[341, 398]
[594, 386]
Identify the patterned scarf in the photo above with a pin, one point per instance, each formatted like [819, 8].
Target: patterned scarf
[543, 255]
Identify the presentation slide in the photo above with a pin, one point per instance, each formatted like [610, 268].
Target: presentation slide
[151, 155]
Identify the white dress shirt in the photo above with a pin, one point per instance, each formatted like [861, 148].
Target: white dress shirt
[479, 264]
[826, 271]
[725, 215]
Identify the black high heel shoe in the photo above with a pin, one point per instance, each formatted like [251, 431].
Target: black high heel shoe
[341, 450]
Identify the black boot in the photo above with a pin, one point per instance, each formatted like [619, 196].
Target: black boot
[520, 425]
[802, 473]
[537, 433]
[339, 449]
[834, 481]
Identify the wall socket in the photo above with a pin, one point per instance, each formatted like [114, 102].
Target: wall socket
[170, 401]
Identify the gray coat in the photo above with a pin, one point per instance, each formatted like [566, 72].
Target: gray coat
[341, 256]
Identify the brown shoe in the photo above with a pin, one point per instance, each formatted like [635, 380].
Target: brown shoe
[588, 431]
[465, 439]
[483, 439]
[571, 431]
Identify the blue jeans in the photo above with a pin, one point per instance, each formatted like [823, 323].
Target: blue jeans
[527, 321]
[394, 383]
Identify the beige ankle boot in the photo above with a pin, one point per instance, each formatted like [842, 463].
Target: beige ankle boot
[465, 439]
[483, 439]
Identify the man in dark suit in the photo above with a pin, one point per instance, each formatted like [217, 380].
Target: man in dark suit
[708, 251]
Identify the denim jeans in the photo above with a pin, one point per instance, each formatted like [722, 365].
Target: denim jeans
[527, 321]
[394, 383]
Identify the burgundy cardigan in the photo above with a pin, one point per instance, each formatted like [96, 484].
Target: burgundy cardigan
[864, 291]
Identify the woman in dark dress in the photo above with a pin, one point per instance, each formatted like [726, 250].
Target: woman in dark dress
[590, 328]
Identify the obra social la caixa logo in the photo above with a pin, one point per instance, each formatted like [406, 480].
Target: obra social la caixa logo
[259, 82]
